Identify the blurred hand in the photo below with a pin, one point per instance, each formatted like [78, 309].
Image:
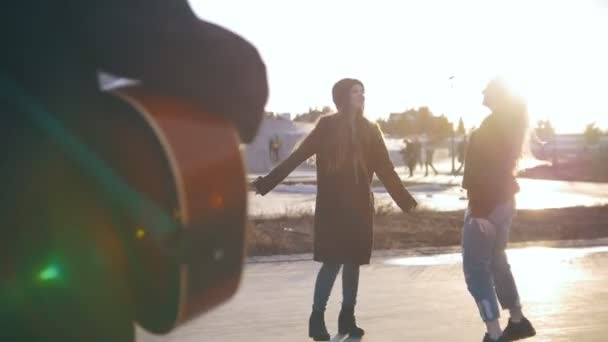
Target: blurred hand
[412, 206]
[254, 186]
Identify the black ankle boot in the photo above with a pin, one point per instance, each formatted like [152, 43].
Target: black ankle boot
[348, 325]
[316, 326]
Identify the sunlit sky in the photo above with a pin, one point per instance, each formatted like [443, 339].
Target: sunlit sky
[554, 52]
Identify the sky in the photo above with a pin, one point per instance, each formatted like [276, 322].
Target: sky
[435, 53]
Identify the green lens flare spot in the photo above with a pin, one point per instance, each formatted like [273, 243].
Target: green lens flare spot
[50, 273]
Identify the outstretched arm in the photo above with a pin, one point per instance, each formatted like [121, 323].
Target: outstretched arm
[307, 148]
[385, 170]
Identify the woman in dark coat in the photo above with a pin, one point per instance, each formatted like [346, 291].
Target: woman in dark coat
[349, 150]
[492, 156]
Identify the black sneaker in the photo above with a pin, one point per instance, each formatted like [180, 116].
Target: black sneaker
[487, 338]
[517, 331]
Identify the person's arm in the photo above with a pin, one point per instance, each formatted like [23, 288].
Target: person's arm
[165, 46]
[307, 148]
[385, 170]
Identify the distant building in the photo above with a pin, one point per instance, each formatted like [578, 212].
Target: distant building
[399, 116]
[284, 116]
[564, 147]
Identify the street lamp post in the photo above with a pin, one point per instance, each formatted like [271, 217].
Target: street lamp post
[453, 150]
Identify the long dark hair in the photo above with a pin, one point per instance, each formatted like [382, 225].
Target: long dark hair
[517, 119]
[352, 132]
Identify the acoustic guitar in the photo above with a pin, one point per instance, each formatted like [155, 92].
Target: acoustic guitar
[154, 183]
[188, 163]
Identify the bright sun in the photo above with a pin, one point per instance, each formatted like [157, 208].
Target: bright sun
[560, 66]
[554, 52]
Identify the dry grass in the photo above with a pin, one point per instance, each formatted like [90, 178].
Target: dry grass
[291, 232]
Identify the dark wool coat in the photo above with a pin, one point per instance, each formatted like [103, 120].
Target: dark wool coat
[344, 207]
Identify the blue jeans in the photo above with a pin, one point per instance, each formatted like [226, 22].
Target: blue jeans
[486, 269]
[325, 281]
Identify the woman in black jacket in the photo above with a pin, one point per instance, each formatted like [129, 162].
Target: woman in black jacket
[492, 156]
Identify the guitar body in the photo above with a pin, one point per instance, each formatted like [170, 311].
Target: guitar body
[187, 164]
[129, 206]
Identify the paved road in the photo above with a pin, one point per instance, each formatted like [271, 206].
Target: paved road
[564, 291]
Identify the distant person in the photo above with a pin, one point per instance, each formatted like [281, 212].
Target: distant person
[409, 155]
[403, 152]
[270, 148]
[349, 150]
[461, 153]
[493, 153]
[273, 148]
[429, 151]
[276, 147]
[418, 152]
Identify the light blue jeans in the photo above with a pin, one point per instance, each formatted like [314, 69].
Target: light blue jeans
[486, 269]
